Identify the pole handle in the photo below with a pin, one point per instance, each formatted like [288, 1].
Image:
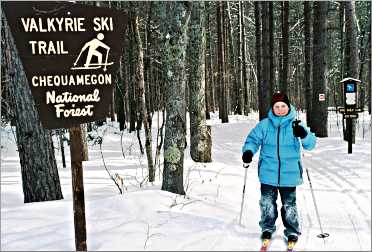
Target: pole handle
[296, 122]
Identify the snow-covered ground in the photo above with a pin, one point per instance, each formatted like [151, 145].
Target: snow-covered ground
[146, 218]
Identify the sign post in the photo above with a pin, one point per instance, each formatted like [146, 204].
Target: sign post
[70, 54]
[76, 150]
[350, 110]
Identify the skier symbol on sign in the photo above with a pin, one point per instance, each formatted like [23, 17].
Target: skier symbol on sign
[93, 45]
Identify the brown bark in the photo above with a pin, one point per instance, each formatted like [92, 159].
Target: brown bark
[40, 179]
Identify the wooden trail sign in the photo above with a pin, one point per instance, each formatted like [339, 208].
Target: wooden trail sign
[70, 54]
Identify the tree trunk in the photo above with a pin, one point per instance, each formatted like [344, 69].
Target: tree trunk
[264, 96]
[175, 17]
[351, 42]
[221, 65]
[61, 136]
[206, 66]
[226, 84]
[142, 99]
[351, 53]
[112, 107]
[308, 65]
[200, 133]
[342, 49]
[320, 109]
[285, 37]
[120, 87]
[211, 83]
[240, 87]
[237, 106]
[40, 179]
[272, 49]
[257, 15]
[369, 75]
[148, 66]
[364, 46]
[245, 69]
[84, 141]
[131, 91]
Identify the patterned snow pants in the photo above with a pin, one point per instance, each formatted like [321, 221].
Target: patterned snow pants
[269, 212]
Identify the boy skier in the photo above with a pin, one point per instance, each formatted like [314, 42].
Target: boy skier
[279, 165]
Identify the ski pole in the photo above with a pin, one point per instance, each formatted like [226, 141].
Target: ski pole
[322, 234]
[245, 179]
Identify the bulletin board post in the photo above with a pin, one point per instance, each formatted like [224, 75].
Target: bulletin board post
[350, 110]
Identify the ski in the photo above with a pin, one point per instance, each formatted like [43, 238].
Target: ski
[265, 244]
[290, 246]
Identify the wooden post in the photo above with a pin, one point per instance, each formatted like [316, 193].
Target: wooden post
[76, 150]
[349, 126]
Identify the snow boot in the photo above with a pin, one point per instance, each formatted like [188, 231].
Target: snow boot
[266, 235]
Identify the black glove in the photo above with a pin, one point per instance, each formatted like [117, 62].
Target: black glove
[299, 131]
[247, 156]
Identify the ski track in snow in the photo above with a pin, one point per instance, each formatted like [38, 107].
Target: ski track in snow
[348, 189]
[207, 219]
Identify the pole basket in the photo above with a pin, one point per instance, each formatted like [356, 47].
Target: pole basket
[323, 235]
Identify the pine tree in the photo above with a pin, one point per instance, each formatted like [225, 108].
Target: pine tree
[40, 179]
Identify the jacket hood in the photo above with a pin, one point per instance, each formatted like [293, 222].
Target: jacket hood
[282, 120]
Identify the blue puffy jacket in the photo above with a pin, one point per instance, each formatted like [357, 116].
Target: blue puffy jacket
[280, 162]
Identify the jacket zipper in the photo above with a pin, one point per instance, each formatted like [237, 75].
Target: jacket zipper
[278, 156]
